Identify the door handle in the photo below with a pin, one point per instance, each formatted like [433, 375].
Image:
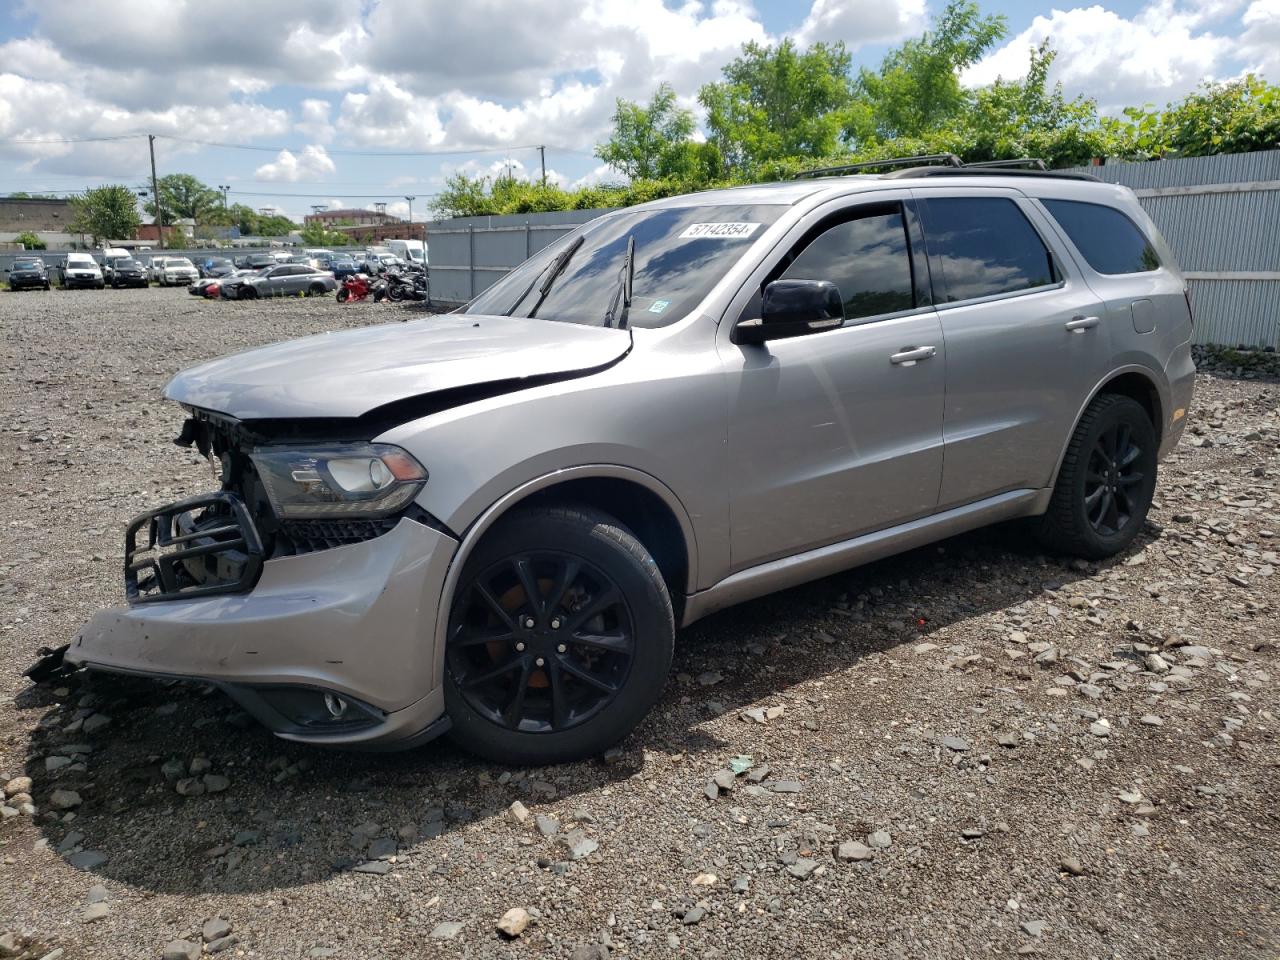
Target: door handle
[1081, 324]
[909, 356]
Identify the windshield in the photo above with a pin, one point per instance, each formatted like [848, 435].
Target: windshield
[179, 262]
[27, 264]
[126, 264]
[680, 254]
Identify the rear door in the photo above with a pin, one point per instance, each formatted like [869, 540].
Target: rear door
[1026, 339]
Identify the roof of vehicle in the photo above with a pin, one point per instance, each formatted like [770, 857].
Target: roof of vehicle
[834, 182]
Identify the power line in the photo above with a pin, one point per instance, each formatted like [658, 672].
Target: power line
[123, 136]
[350, 153]
[394, 192]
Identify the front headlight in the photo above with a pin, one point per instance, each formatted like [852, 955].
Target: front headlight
[338, 480]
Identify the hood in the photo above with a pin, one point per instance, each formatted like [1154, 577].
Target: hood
[352, 372]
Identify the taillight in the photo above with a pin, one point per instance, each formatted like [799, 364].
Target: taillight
[1186, 294]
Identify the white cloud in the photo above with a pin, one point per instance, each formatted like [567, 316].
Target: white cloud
[1158, 55]
[314, 123]
[1260, 42]
[311, 164]
[860, 22]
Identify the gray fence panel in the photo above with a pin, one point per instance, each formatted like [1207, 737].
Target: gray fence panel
[1220, 231]
[1237, 312]
[1190, 171]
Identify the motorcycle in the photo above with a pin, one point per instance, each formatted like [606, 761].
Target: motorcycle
[354, 287]
[411, 285]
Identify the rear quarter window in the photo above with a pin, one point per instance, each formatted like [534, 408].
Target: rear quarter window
[1107, 239]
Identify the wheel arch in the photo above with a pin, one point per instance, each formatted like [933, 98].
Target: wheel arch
[643, 503]
[1138, 383]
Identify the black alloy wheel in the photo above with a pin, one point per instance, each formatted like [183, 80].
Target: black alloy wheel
[1112, 477]
[559, 640]
[542, 643]
[1106, 482]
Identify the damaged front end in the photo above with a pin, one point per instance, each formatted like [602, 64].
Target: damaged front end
[281, 495]
[298, 587]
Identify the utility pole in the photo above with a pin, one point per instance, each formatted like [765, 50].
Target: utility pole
[542, 156]
[224, 189]
[155, 190]
[409, 232]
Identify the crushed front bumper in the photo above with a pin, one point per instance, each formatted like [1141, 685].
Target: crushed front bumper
[355, 621]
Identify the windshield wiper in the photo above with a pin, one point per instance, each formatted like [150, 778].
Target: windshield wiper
[552, 270]
[626, 278]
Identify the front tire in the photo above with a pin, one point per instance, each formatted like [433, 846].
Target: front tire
[560, 638]
[247, 293]
[343, 295]
[1106, 482]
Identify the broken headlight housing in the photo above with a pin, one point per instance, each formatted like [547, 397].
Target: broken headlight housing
[357, 480]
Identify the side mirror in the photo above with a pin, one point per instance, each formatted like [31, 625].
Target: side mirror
[792, 308]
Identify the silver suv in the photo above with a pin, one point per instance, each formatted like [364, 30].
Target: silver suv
[493, 522]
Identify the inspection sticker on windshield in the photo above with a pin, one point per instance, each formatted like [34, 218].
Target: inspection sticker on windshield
[728, 231]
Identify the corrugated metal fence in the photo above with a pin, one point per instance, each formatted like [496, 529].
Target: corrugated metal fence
[1221, 215]
[470, 254]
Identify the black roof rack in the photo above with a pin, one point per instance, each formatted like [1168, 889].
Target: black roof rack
[950, 159]
[1035, 163]
[974, 170]
[946, 165]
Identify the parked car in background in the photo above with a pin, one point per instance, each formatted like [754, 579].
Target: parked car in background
[176, 271]
[410, 251]
[28, 273]
[215, 267]
[81, 270]
[109, 257]
[202, 286]
[341, 265]
[257, 261]
[127, 272]
[286, 279]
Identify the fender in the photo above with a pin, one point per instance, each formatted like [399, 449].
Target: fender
[472, 535]
[1158, 382]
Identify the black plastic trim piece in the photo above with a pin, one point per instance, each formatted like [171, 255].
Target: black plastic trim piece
[166, 573]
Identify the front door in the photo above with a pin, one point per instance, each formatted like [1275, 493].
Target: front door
[838, 433]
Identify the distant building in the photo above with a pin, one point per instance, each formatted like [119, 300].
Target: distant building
[350, 217]
[38, 216]
[376, 233]
[50, 220]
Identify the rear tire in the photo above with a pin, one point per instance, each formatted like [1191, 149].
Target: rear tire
[596, 657]
[1106, 482]
[316, 290]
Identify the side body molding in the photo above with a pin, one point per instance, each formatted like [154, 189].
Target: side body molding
[472, 535]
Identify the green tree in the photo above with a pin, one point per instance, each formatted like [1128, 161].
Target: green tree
[1233, 117]
[106, 213]
[275, 225]
[917, 88]
[655, 141]
[1028, 118]
[30, 241]
[243, 217]
[316, 234]
[777, 102]
[182, 195]
[464, 196]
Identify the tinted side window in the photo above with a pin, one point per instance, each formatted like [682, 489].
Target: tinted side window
[982, 246]
[1105, 237]
[867, 258]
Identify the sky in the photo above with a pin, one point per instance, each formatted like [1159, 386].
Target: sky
[343, 103]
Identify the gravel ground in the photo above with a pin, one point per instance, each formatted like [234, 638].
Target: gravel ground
[970, 750]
